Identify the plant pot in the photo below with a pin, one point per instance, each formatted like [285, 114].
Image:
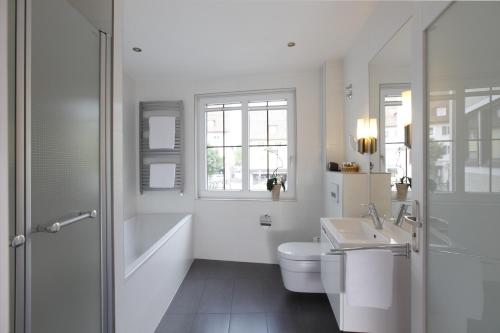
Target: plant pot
[401, 191]
[276, 192]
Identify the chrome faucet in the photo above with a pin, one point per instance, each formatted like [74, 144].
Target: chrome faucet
[372, 212]
[402, 214]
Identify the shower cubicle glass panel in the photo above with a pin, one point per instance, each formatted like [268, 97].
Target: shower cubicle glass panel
[463, 153]
[63, 265]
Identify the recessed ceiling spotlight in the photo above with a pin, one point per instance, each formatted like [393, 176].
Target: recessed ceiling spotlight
[291, 44]
[137, 49]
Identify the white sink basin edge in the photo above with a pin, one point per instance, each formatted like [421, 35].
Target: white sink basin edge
[358, 232]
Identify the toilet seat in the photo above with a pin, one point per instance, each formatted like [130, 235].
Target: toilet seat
[308, 251]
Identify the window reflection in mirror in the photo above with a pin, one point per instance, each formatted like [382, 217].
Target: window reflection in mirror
[390, 104]
[395, 114]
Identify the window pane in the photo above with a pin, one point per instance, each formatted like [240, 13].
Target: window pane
[257, 128]
[471, 90]
[233, 169]
[395, 161]
[440, 168]
[277, 127]
[215, 106]
[477, 173]
[495, 118]
[257, 104]
[394, 130]
[477, 107]
[440, 114]
[232, 128]
[495, 170]
[278, 160]
[232, 105]
[215, 169]
[257, 168]
[214, 128]
[277, 103]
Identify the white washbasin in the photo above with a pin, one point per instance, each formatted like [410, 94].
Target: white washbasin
[353, 232]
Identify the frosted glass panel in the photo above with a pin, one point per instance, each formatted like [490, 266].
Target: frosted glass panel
[463, 170]
[65, 266]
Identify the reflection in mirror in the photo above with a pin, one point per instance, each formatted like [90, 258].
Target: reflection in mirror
[390, 105]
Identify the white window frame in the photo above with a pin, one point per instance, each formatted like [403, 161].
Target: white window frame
[200, 138]
[388, 88]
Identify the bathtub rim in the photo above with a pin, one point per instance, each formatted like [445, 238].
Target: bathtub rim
[143, 258]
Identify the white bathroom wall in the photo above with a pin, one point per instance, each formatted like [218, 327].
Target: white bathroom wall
[387, 18]
[333, 108]
[229, 229]
[131, 147]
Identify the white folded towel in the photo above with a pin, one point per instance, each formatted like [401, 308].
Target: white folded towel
[162, 175]
[161, 132]
[369, 278]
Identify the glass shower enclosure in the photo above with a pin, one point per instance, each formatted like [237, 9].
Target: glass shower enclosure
[463, 173]
[62, 114]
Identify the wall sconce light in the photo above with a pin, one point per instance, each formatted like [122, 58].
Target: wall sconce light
[406, 116]
[348, 91]
[367, 133]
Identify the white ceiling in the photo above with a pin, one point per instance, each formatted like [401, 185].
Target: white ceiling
[231, 38]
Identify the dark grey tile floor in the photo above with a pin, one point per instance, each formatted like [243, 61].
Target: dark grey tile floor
[234, 297]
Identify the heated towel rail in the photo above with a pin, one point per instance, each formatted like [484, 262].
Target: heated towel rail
[175, 155]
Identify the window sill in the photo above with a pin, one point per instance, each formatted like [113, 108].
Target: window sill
[293, 199]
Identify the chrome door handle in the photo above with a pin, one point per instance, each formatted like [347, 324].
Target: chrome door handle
[17, 241]
[416, 225]
[56, 226]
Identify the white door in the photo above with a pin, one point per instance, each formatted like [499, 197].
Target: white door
[461, 192]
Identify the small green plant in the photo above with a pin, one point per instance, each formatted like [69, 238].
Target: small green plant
[275, 180]
[405, 180]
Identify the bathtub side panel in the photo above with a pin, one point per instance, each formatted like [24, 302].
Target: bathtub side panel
[151, 288]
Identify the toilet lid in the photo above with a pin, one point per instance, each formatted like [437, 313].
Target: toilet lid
[300, 251]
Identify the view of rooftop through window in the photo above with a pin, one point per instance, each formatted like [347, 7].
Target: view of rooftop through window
[478, 142]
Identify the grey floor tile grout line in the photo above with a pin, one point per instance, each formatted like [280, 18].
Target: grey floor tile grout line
[231, 306]
[259, 296]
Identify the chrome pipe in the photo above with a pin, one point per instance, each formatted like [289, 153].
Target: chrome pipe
[404, 247]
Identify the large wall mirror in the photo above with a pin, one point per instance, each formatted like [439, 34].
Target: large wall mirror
[390, 114]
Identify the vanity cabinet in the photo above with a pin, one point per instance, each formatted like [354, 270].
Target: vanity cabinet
[347, 192]
[396, 319]
[332, 274]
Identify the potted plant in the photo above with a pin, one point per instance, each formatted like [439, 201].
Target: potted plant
[402, 188]
[274, 185]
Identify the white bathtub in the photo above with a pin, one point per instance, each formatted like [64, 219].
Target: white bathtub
[158, 252]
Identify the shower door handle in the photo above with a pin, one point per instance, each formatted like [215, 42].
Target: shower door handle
[416, 225]
[58, 225]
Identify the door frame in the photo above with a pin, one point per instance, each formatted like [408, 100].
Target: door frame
[424, 16]
[5, 91]
[22, 271]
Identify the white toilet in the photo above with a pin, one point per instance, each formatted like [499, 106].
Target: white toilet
[301, 266]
